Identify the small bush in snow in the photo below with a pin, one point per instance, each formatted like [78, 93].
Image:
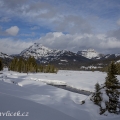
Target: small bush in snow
[96, 97]
[82, 102]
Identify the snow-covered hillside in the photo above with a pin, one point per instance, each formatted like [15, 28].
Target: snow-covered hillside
[109, 56]
[37, 50]
[90, 53]
[30, 93]
[3, 55]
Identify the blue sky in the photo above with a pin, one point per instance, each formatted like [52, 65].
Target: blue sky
[60, 24]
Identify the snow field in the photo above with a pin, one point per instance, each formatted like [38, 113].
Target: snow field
[32, 89]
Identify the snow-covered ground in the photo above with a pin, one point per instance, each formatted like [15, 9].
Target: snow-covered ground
[30, 93]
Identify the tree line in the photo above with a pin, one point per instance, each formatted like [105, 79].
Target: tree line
[117, 67]
[30, 65]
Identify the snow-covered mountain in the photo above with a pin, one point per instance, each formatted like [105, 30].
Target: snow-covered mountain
[111, 56]
[44, 54]
[62, 59]
[38, 51]
[65, 58]
[90, 54]
[3, 55]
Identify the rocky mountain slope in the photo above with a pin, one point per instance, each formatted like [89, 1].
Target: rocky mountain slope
[46, 55]
[5, 58]
[90, 54]
[3, 55]
[111, 56]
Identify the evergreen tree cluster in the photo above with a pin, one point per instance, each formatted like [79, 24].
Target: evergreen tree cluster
[111, 87]
[118, 68]
[1, 65]
[105, 69]
[30, 65]
[47, 69]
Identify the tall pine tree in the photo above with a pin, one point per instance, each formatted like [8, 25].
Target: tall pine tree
[96, 97]
[1, 65]
[112, 84]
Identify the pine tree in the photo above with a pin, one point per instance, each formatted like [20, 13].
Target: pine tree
[112, 84]
[96, 97]
[52, 70]
[118, 68]
[1, 65]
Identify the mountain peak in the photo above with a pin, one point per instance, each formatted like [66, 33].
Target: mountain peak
[38, 45]
[89, 50]
[36, 50]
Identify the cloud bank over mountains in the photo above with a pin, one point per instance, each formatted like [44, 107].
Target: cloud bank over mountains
[72, 25]
[58, 40]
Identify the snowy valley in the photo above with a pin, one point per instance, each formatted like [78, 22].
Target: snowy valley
[31, 93]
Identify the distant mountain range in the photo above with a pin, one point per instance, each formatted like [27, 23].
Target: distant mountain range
[45, 55]
[63, 58]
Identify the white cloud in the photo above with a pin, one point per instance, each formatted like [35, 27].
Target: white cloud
[13, 31]
[57, 40]
[76, 42]
[10, 46]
